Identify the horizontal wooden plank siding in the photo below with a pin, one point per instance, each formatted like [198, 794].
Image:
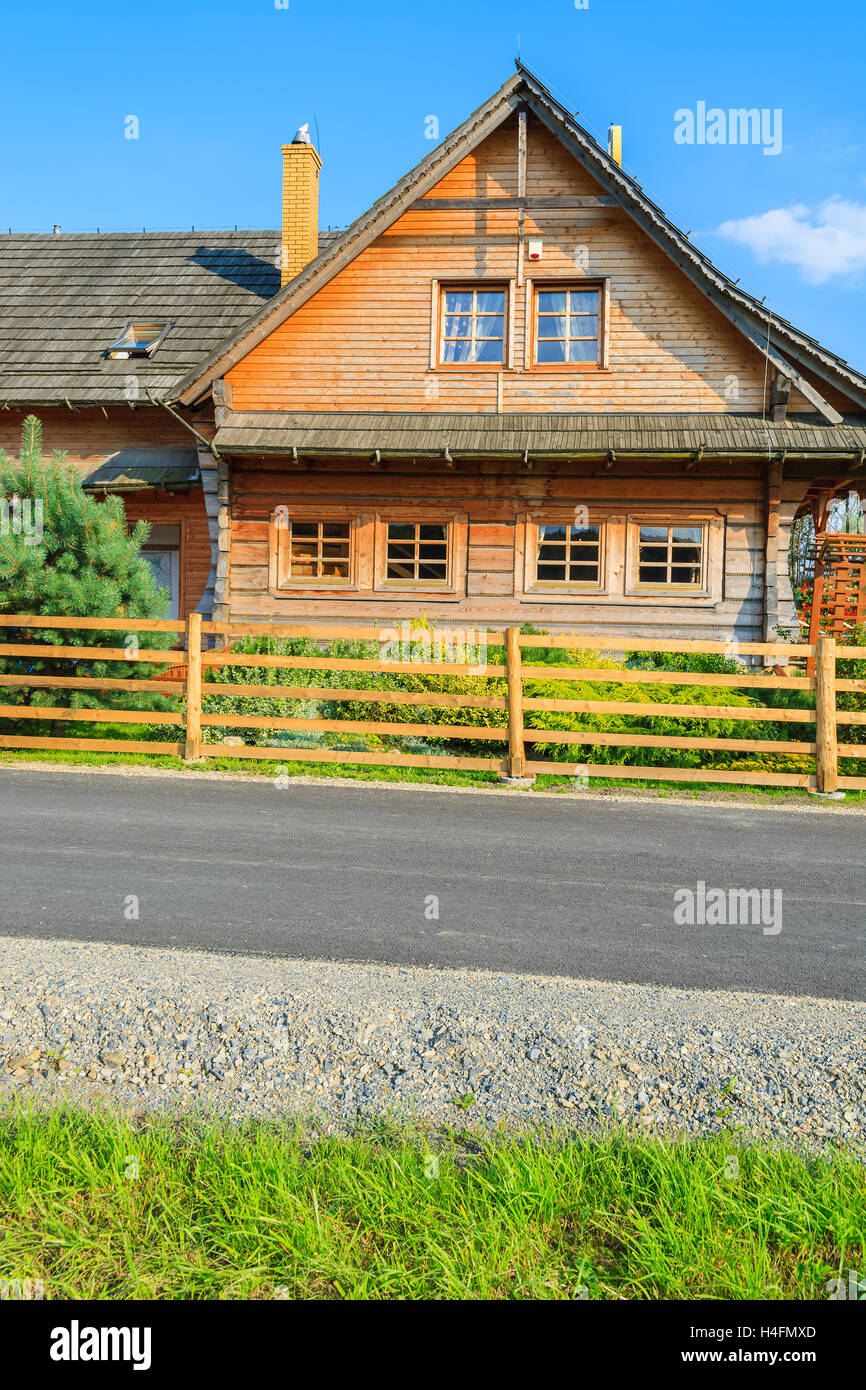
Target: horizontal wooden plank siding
[188, 510]
[91, 435]
[496, 499]
[363, 341]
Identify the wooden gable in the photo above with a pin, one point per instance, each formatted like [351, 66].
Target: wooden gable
[366, 339]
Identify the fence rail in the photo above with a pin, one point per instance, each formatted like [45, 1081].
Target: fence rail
[515, 760]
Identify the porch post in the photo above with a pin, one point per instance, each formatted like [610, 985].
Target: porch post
[771, 551]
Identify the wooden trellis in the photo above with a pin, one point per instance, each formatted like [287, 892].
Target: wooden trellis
[839, 595]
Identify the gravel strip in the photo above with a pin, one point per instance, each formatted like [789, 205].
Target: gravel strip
[184, 1031]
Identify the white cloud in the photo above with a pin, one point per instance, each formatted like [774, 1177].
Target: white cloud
[822, 242]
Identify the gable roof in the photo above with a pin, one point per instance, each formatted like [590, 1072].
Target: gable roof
[65, 297]
[768, 334]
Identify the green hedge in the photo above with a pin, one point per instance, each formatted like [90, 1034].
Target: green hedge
[282, 704]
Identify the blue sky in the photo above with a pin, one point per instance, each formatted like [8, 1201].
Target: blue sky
[217, 87]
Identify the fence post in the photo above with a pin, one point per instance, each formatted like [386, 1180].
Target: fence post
[826, 754]
[193, 686]
[515, 702]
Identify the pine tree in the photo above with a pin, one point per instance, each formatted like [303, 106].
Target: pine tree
[64, 553]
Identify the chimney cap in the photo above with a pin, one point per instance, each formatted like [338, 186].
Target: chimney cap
[302, 136]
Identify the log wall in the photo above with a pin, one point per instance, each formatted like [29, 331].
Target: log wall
[493, 499]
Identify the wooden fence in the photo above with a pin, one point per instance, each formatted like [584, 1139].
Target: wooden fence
[191, 660]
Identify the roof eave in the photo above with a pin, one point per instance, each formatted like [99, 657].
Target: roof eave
[841, 454]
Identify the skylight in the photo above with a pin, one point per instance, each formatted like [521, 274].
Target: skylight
[138, 339]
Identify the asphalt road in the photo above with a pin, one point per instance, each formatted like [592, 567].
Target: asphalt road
[573, 886]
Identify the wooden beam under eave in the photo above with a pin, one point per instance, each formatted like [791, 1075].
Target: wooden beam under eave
[222, 399]
[799, 466]
[784, 368]
[694, 460]
[509, 201]
[780, 392]
[521, 152]
[771, 549]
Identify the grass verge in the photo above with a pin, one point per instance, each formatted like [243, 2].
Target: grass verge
[98, 1206]
[440, 777]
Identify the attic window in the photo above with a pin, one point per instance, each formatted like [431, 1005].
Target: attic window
[472, 325]
[138, 340]
[568, 326]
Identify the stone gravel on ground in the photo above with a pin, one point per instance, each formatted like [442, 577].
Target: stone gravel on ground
[249, 1037]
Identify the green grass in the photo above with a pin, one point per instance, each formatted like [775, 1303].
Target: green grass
[442, 777]
[238, 1212]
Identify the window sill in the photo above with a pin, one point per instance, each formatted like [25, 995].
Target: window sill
[562, 595]
[567, 367]
[429, 595]
[470, 367]
[314, 591]
[651, 589]
[672, 596]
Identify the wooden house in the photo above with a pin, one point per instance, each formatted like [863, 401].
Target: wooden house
[511, 392]
[514, 392]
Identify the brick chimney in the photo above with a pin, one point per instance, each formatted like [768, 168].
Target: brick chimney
[300, 241]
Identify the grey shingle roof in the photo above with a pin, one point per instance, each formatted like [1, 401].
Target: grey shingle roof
[64, 298]
[129, 469]
[427, 434]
